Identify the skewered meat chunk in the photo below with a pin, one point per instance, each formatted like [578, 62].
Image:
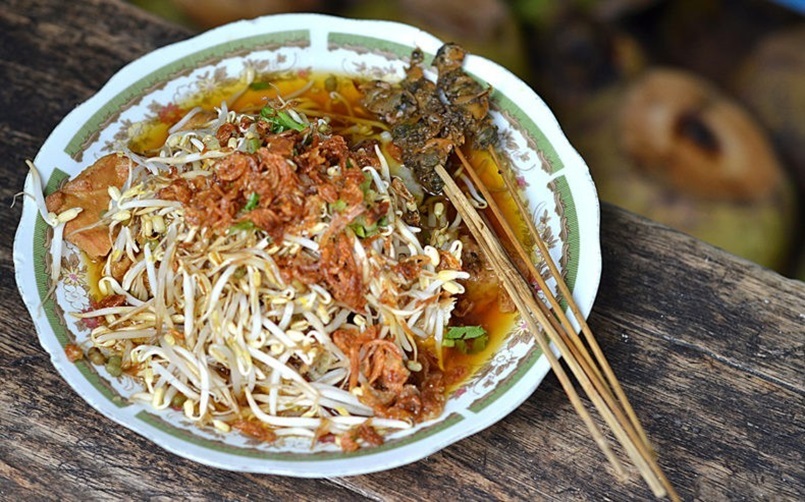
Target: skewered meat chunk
[428, 120]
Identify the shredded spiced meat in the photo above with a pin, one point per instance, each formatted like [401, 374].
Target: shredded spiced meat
[387, 385]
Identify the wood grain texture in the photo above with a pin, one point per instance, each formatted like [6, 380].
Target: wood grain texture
[708, 347]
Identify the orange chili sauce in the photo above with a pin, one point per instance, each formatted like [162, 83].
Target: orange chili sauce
[457, 365]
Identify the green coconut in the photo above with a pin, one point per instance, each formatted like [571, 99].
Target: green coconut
[673, 148]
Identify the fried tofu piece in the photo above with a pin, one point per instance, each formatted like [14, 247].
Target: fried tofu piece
[89, 191]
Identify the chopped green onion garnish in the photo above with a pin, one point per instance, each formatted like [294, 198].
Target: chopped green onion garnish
[280, 120]
[253, 144]
[366, 183]
[254, 199]
[242, 225]
[467, 339]
[338, 206]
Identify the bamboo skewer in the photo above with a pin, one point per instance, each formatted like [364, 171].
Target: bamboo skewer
[522, 253]
[592, 342]
[520, 293]
[585, 328]
[558, 329]
[636, 439]
[476, 228]
[635, 431]
[574, 342]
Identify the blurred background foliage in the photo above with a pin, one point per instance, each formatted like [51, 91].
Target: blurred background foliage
[690, 112]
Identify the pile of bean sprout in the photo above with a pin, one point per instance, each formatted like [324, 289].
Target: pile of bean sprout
[210, 326]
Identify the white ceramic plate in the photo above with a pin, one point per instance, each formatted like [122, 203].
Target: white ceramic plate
[554, 178]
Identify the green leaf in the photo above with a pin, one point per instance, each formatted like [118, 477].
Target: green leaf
[259, 86]
[465, 332]
[479, 344]
[359, 230]
[288, 123]
[367, 182]
[338, 206]
[280, 120]
[267, 112]
[467, 339]
[242, 225]
[363, 230]
[254, 199]
[253, 144]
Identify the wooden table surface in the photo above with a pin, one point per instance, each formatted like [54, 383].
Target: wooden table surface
[710, 348]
